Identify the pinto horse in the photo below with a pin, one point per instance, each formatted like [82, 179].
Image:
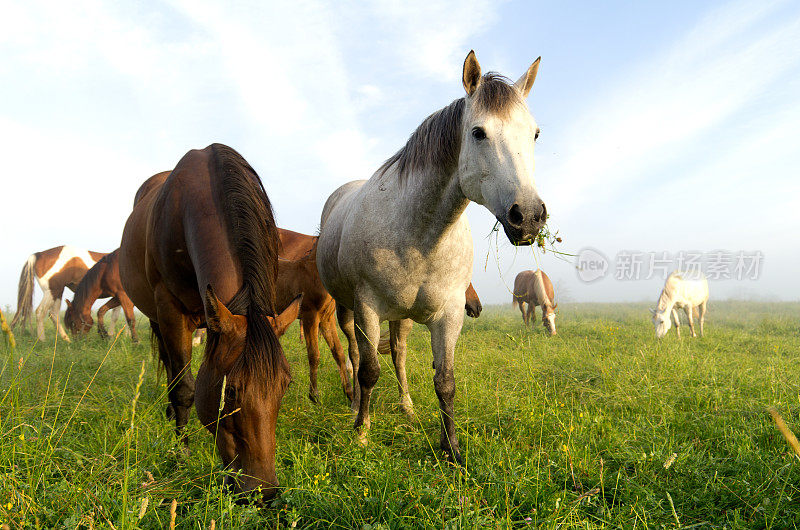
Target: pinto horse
[535, 289]
[101, 281]
[201, 248]
[398, 246]
[298, 274]
[54, 269]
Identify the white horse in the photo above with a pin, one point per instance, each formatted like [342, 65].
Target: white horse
[687, 290]
[398, 246]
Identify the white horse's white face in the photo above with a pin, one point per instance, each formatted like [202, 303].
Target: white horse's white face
[496, 163]
[662, 322]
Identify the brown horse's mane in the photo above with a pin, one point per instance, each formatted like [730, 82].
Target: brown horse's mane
[436, 143]
[254, 237]
[90, 281]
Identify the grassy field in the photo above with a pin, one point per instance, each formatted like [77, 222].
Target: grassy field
[601, 426]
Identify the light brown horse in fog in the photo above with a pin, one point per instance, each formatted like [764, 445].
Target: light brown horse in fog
[101, 281]
[298, 274]
[535, 289]
[54, 269]
[201, 248]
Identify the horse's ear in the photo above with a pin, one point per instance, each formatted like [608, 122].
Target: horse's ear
[471, 77]
[218, 318]
[69, 304]
[282, 322]
[555, 305]
[525, 83]
[653, 312]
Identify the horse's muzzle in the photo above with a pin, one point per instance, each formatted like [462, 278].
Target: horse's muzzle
[523, 224]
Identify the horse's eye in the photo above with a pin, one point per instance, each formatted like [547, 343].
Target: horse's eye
[536, 136]
[478, 133]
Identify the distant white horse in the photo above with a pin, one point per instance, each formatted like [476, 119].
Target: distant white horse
[398, 246]
[687, 290]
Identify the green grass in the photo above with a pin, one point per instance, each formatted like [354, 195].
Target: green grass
[570, 432]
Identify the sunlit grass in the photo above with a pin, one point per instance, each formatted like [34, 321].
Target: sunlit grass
[600, 426]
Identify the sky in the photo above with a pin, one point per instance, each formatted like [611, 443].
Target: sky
[665, 127]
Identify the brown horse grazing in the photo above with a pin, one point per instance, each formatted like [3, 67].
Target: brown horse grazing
[54, 269]
[201, 248]
[101, 281]
[535, 289]
[318, 310]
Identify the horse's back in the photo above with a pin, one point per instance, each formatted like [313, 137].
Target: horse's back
[687, 287]
[295, 245]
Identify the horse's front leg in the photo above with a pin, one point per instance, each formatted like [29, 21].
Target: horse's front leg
[346, 322]
[677, 321]
[176, 334]
[101, 313]
[368, 333]
[444, 334]
[398, 333]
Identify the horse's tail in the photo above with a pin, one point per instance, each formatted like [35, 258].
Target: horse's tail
[383, 344]
[25, 293]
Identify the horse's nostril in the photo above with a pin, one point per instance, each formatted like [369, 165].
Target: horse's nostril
[515, 216]
[542, 215]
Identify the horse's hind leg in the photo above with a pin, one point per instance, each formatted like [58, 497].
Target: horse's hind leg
[55, 315]
[368, 333]
[522, 310]
[42, 311]
[530, 316]
[164, 358]
[702, 309]
[310, 324]
[444, 334]
[347, 324]
[688, 310]
[130, 318]
[398, 333]
[327, 325]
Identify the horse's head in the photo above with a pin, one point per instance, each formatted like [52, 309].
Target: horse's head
[549, 318]
[238, 397]
[661, 321]
[77, 322]
[495, 166]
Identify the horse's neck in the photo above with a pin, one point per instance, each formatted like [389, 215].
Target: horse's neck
[85, 297]
[431, 204]
[665, 302]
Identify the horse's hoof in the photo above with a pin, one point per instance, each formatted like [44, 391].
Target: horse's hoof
[362, 437]
[454, 457]
[408, 411]
[314, 397]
